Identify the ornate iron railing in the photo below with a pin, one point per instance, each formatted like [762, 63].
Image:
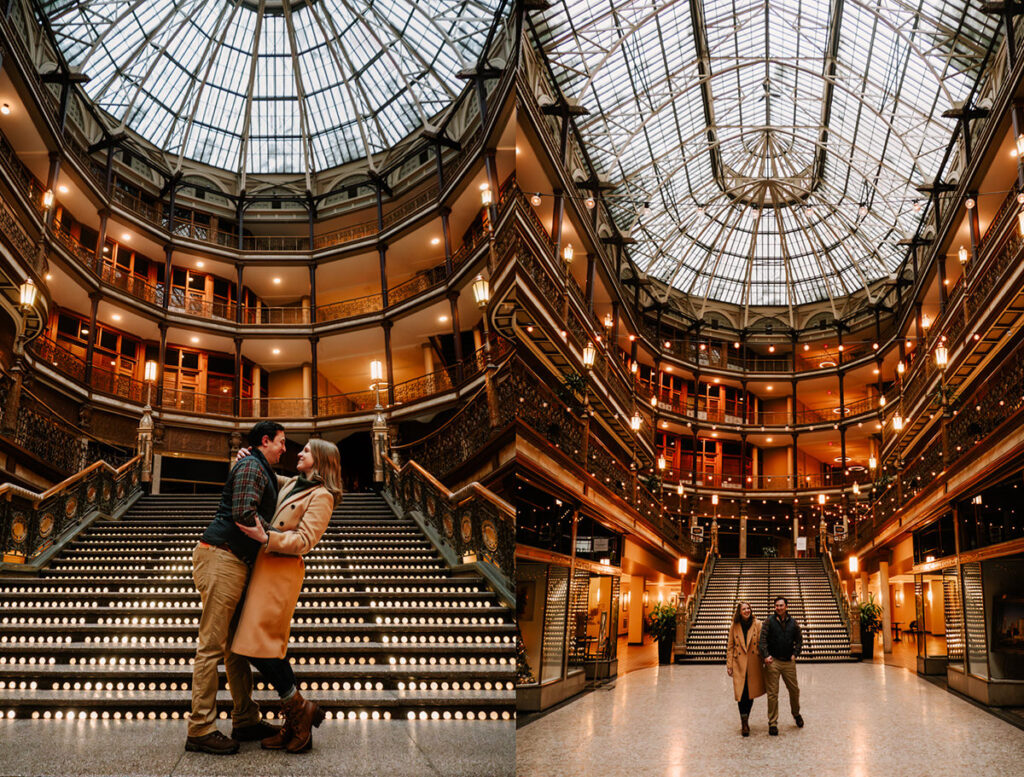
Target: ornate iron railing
[688, 612]
[31, 523]
[474, 523]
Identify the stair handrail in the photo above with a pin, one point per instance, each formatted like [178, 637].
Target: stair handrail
[845, 606]
[692, 604]
[472, 527]
[34, 526]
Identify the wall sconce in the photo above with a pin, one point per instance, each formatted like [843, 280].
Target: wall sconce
[683, 565]
[962, 255]
[481, 291]
[854, 565]
[647, 599]
[634, 422]
[872, 463]
[589, 355]
[898, 597]
[27, 294]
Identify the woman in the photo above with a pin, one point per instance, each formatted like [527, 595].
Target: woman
[304, 507]
[743, 661]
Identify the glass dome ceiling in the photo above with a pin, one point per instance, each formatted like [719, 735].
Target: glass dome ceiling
[767, 153]
[272, 86]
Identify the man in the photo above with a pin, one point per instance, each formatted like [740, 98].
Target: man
[780, 645]
[221, 564]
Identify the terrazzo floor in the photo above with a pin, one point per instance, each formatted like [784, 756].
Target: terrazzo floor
[49, 748]
[862, 720]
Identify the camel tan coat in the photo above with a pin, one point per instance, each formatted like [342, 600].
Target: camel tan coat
[745, 660]
[266, 619]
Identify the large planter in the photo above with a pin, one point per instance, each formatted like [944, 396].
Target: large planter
[665, 651]
[867, 644]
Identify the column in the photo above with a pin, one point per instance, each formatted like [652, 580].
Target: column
[589, 290]
[943, 291]
[863, 592]
[428, 358]
[1017, 111]
[635, 635]
[446, 231]
[314, 394]
[886, 602]
[312, 294]
[90, 345]
[972, 220]
[307, 387]
[382, 256]
[51, 185]
[237, 399]
[161, 360]
[743, 535]
[239, 295]
[101, 239]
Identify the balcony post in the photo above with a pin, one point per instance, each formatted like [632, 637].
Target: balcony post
[589, 292]
[161, 359]
[312, 295]
[453, 305]
[795, 463]
[943, 291]
[973, 222]
[90, 343]
[314, 343]
[51, 183]
[446, 231]
[168, 272]
[793, 411]
[386, 326]
[240, 218]
[1017, 110]
[236, 400]
[101, 239]
[239, 296]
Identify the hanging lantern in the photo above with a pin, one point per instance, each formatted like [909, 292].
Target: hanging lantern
[654, 401]
[634, 366]
[661, 462]
[941, 356]
[589, 355]
[28, 292]
[925, 321]
[714, 499]
[634, 422]
[962, 255]
[481, 291]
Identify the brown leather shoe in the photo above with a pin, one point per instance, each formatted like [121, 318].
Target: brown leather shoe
[745, 725]
[214, 743]
[281, 738]
[303, 716]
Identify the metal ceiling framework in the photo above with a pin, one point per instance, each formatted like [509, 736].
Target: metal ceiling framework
[767, 153]
[268, 87]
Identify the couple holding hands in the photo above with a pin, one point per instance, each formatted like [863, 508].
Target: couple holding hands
[249, 570]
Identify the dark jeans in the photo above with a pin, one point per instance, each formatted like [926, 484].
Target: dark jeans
[276, 671]
[745, 702]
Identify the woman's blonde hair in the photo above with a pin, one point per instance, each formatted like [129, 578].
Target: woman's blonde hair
[326, 466]
[737, 618]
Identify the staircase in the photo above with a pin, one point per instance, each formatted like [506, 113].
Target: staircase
[803, 582]
[382, 628]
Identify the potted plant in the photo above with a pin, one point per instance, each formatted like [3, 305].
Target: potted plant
[661, 624]
[870, 624]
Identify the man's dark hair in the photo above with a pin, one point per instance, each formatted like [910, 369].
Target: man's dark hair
[263, 429]
[781, 598]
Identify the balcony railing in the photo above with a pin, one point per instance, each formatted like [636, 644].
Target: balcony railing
[740, 414]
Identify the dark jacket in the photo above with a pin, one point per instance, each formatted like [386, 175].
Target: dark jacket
[781, 640]
[249, 494]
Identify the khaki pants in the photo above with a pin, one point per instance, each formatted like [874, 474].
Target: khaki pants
[220, 578]
[771, 680]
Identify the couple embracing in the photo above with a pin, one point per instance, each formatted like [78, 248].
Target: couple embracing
[757, 655]
[248, 570]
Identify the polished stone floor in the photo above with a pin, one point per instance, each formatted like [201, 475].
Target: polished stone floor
[45, 748]
[863, 720]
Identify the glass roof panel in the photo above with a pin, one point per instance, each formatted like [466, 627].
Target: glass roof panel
[272, 87]
[773, 172]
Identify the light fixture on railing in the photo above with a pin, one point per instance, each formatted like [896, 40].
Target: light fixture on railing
[962, 255]
[609, 322]
[926, 322]
[654, 401]
[567, 253]
[969, 203]
[1020, 221]
[900, 367]
[48, 199]
[662, 463]
[683, 565]
[634, 366]
[679, 489]
[376, 371]
[27, 294]
[1020, 147]
[941, 356]
[897, 422]
[634, 422]
[856, 487]
[481, 291]
[150, 371]
[589, 355]
[714, 499]
[881, 400]
[486, 196]
[872, 463]
[822, 499]
[854, 565]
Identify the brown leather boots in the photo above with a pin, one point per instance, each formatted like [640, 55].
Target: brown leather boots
[300, 718]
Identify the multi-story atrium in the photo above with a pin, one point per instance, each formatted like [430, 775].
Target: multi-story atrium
[619, 315]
